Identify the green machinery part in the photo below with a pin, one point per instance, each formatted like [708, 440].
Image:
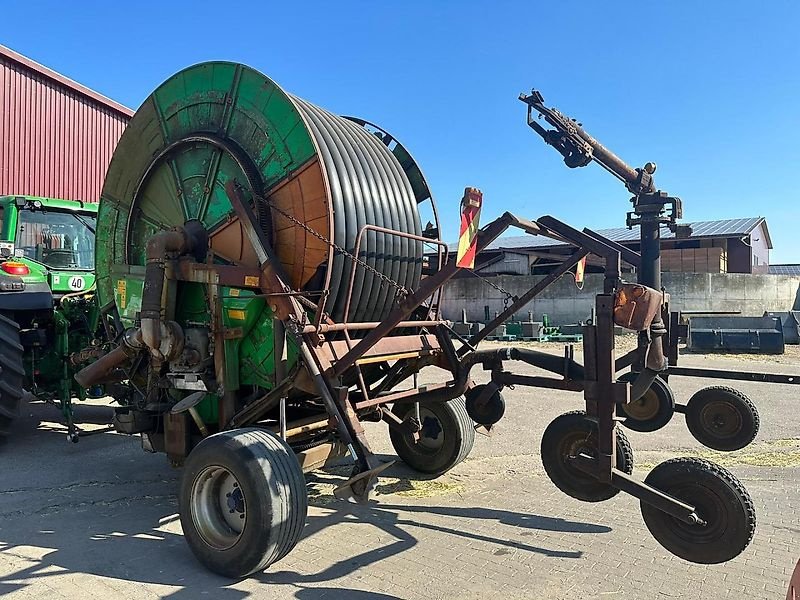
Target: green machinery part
[311, 177]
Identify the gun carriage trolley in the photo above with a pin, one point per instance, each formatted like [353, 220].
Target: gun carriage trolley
[260, 275]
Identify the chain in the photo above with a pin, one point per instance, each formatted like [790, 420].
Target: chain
[382, 277]
[508, 295]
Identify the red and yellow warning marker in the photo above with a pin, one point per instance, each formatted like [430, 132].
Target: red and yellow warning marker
[580, 269]
[468, 237]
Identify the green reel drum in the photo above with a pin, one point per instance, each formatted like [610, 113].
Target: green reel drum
[313, 179]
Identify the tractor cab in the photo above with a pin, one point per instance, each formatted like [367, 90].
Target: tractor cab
[46, 248]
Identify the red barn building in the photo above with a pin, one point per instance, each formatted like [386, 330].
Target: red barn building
[56, 136]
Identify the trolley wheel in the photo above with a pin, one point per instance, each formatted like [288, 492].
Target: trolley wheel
[650, 412]
[569, 435]
[722, 418]
[488, 413]
[445, 438]
[719, 499]
[242, 502]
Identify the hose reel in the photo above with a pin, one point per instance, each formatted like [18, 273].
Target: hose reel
[218, 121]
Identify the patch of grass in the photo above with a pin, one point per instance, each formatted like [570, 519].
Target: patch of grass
[764, 458]
[785, 443]
[760, 456]
[412, 488]
[320, 493]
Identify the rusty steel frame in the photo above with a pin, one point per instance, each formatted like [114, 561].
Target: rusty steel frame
[347, 327]
[357, 249]
[324, 361]
[340, 327]
[518, 303]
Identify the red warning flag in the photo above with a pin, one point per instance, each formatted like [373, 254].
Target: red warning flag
[468, 238]
[580, 269]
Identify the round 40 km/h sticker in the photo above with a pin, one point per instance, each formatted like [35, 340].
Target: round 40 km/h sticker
[77, 283]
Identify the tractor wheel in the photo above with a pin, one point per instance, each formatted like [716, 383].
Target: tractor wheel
[650, 412]
[445, 439]
[722, 418]
[719, 499]
[243, 501]
[569, 435]
[488, 413]
[12, 374]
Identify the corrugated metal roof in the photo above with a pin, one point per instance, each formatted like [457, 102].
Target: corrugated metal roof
[56, 136]
[784, 270]
[700, 229]
[31, 65]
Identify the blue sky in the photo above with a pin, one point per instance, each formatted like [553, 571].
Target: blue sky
[707, 90]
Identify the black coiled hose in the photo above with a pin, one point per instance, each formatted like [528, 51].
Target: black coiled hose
[368, 187]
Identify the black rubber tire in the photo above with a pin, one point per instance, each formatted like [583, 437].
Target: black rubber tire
[659, 394]
[448, 420]
[719, 499]
[275, 499]
[567, 434]
[722, 418]
[488, 414]
[12, 374]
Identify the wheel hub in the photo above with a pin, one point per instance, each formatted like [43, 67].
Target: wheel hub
[218, 507]
[579, 443]
[643, 409]
[430, 435]
[235, 500]
[713, 519]
[721, 418]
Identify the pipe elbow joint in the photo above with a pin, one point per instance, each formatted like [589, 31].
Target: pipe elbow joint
[151, 333]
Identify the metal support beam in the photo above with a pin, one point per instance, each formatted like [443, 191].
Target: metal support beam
[523, 300]
[735, 375]
[429, 285]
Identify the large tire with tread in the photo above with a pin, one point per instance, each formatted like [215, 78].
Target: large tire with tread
[573, 433]
[719, 499]
[722, 418]
[12, 374]
[446, 437]
[652, 411]
[243, 501]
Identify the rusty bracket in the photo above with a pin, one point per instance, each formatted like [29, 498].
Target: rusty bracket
[360, 485]
[410, 426]
[428, 285]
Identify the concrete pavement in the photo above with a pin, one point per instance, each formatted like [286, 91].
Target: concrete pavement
[98, 519]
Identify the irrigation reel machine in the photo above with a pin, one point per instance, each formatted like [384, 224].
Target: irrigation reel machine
[262, 287]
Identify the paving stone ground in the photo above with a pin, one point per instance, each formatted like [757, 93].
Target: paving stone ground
[98, 519]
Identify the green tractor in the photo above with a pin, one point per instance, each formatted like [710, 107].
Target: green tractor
[47, 307]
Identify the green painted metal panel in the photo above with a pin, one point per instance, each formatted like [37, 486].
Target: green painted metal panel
[250, 357]
[128, 297]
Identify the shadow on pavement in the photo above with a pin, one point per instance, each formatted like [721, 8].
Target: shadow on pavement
[316, 592]
[122, 527]
[389, 519]
[40, 418]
